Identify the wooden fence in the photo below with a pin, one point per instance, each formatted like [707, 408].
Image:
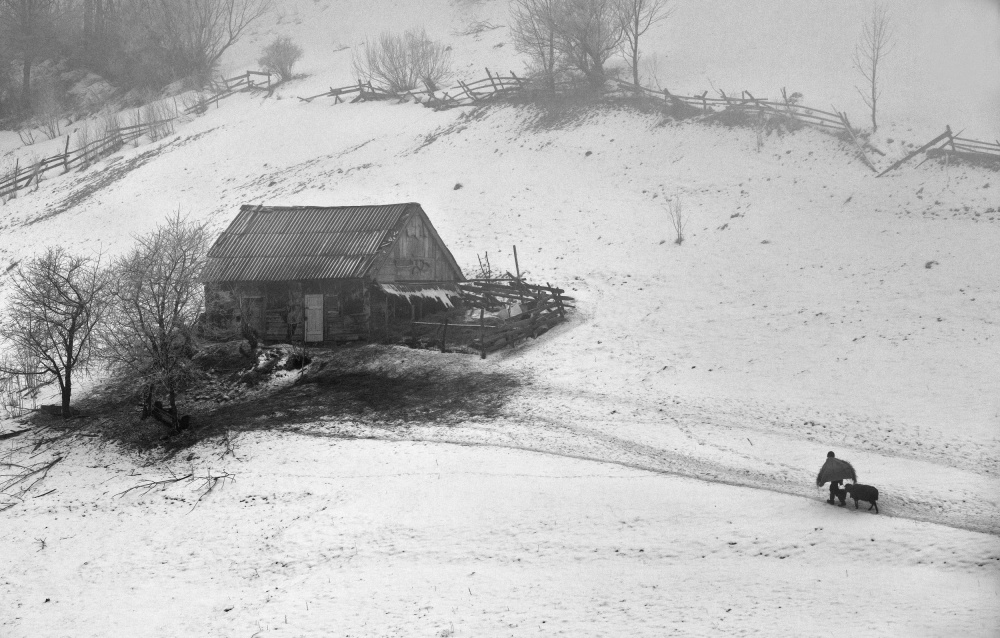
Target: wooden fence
[751, 109]
[464, 94]
[518, 310]
[949, 145]
[510, 311]
[21, 177]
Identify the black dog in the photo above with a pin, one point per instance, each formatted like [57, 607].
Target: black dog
[863, 493]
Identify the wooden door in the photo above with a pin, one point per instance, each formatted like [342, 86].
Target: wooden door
[253, 313]
[314, 317]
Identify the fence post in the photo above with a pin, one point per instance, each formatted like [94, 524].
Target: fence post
[66, 156]
[558, 298]
[482, 333]
[444, 335]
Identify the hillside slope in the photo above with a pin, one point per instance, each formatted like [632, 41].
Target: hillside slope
[811, 307]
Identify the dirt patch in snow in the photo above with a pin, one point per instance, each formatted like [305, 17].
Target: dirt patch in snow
[373, 385]
[377, 385]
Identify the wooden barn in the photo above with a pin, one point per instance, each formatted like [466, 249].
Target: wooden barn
[327, 274]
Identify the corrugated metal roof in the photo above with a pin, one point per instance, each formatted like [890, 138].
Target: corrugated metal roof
[279, 243]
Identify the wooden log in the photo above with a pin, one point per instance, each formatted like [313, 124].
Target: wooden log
[502, 293]
[913, 154]
[519, 333]
[857, 144]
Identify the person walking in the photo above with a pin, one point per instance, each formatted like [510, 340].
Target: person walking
[835, 471]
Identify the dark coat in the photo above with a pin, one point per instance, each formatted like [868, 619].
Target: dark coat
[835, 470]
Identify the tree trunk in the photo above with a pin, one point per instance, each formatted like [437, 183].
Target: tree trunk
[26, 84]
[173, 408]
[635, 65]
[67, 392]
[147, 407]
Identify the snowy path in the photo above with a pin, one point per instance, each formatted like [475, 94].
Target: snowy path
[702, 442]
[321, 537]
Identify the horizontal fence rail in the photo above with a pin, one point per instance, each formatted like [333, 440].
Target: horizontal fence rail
[21, 177]
[745, 104]
[495, 86]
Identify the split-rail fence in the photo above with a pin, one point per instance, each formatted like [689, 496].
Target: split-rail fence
[21, 177]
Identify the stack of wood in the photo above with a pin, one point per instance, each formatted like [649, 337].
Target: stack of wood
[518, 310]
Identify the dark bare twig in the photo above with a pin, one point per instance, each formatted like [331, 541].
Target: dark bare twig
[149, 485]
[209, 484]
[41, 471]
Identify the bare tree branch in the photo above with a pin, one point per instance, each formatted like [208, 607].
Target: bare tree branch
[875, 43]
[56, 302]
[636, 17]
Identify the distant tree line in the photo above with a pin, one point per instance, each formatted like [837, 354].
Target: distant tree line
[134, 43]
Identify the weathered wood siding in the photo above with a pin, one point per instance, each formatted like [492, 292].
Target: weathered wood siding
[416, 256]
[277, 309]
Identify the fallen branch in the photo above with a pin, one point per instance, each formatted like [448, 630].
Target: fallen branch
[10, 435]
[39, 472]
[210, 482]
[149, 485]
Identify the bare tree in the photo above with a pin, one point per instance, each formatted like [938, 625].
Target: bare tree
[156, 300]
[28, 26]
[677, 219]
[195, 33]
[588, 34]
[635, 18]
[280, 56]
[875, 43]
[399, 63]
[533, 29]
[101, 31]
[55, 304]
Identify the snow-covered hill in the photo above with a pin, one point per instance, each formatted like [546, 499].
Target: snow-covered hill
[812, 307]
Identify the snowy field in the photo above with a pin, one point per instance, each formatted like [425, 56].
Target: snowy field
[655, 474]
[327, 537]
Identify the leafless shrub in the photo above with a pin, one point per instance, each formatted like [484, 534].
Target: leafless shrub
[875, 43]
[677, 220]
[578, 34]
[400, 63]
[158, 118]
[280, 56]
[51, 125]
[110, 131]
[532, 27]
[20, 381]
[27, 135]
[194, 102]
[83, 140]
[36, 173]
[133, 123]
[195, 33]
